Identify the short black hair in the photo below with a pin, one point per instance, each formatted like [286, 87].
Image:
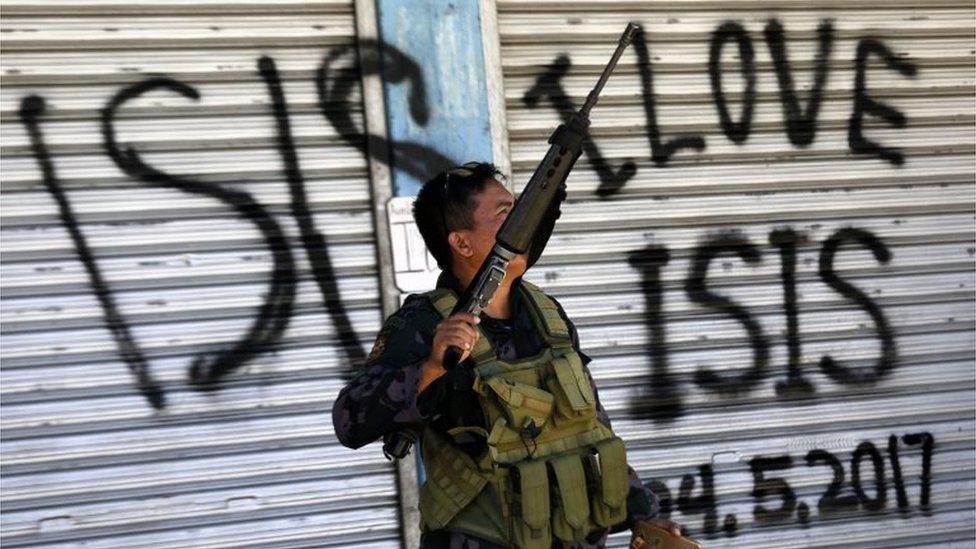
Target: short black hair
[445, 204]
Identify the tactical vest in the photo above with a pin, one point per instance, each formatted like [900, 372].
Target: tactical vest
[551, 469]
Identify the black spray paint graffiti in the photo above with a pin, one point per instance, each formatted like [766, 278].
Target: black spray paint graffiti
[312, 240]
[661, 400]
[274, 314]
[697, 292]
[786, 240]
[867, 491]
[737, 132]
[801, 126]
[888, 353]
[335, 85]
[865, 104]
[31, 111]
[660, 152]
[549, 86]
[800, 123]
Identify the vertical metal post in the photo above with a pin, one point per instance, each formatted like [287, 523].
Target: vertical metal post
[381, 189]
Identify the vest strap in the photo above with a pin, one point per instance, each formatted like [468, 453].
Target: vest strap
[545, 313]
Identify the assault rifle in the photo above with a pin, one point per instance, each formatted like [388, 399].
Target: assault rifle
[516, 233]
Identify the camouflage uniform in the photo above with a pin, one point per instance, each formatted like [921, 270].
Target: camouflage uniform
[383, 396]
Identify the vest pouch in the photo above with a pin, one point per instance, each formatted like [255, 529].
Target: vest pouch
[522, 404]
[609, 502]
[531, 517]
[571, 388]
[571, 512]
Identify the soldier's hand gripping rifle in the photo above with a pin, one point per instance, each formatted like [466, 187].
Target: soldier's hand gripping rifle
[516, 233]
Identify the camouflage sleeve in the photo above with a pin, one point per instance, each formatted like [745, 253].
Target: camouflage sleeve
[642, 503]
[382, 397]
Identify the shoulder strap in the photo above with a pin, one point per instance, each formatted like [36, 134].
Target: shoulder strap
[545, 315]
[442, 299]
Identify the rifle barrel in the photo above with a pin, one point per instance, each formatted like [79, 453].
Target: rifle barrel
[625, 39]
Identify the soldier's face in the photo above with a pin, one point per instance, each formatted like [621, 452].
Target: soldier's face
[494, 203]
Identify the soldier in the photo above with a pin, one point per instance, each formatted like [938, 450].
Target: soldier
[517, 449]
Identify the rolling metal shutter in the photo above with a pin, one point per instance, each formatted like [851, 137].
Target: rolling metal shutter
[192, 266]
[675, 270]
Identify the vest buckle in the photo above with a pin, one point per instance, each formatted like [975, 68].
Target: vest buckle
[531, 430]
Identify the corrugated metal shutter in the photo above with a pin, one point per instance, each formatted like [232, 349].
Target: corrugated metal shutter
[623, 264]
[254, 459]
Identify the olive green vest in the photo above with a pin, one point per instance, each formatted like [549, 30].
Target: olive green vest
[551, 469]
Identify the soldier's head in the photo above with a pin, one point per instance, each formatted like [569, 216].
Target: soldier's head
[459, 212]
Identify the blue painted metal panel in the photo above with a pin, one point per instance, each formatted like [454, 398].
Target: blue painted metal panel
[441, 118]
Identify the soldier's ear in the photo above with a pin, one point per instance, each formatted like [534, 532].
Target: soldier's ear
[460, 244]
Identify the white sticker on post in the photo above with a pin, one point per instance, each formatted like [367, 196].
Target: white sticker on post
[414, 268]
